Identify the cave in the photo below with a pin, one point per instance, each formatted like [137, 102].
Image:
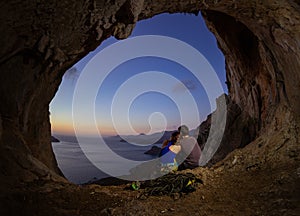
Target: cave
[260, 41]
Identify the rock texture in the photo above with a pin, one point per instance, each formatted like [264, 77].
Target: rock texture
[239, 131]
[40, 40]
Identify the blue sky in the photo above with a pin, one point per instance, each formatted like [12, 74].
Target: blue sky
[150, 111]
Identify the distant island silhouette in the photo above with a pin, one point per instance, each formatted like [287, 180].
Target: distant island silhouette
[54, 139]
[156, 138]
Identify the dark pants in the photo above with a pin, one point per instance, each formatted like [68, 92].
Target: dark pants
[184, 166]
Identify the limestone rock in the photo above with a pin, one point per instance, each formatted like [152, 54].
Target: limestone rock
[239, 131]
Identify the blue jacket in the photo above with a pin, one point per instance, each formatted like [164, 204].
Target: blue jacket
[166, 155]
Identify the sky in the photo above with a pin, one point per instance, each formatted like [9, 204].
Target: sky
[145, 93]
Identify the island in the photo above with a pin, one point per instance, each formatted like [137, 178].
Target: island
[54, 139]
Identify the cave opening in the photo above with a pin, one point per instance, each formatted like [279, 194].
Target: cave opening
[148, 107]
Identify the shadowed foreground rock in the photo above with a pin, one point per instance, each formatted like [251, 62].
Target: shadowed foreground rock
[40, 40]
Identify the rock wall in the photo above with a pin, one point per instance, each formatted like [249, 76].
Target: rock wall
[41, 39]
[259, 60]
[240, 130]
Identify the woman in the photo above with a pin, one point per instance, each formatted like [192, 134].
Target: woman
[168, 154]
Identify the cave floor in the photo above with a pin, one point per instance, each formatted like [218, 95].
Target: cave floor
[256, 180]
[252, 191]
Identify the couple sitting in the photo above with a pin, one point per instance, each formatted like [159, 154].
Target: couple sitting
[180, 149]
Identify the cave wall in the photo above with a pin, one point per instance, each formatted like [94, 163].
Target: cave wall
[41, 39]
[261, 58]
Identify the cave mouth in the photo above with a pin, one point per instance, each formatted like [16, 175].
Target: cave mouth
[189, 29]
[262, 63]
[250, 84]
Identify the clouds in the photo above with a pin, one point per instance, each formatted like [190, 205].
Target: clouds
[183, 86]
[72, 74]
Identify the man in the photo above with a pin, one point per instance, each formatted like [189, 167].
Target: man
[190, 150]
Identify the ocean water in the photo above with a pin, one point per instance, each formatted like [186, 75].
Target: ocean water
[112, 158]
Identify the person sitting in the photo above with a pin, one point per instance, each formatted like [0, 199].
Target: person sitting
[168, 154]
[190, 150]
[173, 139]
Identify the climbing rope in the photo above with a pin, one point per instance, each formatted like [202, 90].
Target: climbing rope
[170, 184]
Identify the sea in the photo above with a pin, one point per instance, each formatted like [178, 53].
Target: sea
[94, 159]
